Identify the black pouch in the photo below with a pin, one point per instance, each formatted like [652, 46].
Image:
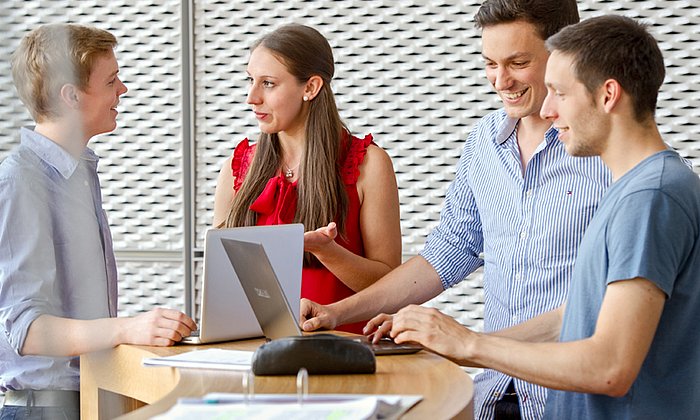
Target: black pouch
[318, 353]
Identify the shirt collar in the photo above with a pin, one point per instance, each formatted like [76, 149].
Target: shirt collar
[53, 154]
[507, 128]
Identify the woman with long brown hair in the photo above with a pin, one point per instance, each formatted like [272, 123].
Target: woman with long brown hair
[306, 167]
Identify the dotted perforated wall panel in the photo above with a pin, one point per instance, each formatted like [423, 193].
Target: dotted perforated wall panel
[141, 162]
[408, 72]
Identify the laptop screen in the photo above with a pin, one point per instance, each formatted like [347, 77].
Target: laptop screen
[262, 288]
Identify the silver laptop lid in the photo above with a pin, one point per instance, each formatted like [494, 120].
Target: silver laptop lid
[263, 289]
[225, 313]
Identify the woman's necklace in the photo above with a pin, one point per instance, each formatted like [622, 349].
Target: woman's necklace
[289, 172]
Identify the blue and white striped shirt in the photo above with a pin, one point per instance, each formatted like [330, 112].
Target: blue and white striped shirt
[528, 227]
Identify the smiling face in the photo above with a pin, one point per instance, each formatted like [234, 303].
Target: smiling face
[583, 126]
[516, 59]
[99, 100]
[275, 95]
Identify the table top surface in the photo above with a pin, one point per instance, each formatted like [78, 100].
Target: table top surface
[446, 389]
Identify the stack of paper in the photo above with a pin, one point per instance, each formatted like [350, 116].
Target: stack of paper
[288, 407]
[205, 359]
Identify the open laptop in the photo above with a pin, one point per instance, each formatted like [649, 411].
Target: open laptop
[225, 312]
[267, 298]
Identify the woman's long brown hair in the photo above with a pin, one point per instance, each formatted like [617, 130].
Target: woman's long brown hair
[321, 193]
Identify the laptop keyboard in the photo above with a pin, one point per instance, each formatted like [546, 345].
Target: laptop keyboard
[387, 346]
[193, 338]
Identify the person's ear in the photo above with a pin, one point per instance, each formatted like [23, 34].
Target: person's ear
[610, 94]
[313, 86]
[70, 96]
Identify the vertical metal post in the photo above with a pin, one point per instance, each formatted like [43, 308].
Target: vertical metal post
[188, 151]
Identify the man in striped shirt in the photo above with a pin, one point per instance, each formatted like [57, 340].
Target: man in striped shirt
[517, 199]
[628, 340]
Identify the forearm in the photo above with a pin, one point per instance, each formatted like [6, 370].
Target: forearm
[606, 363]
[580, 366]
[542, 328]
[415, 281]
[53, 336]
[353, 270]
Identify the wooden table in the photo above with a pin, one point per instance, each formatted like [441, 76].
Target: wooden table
[114, 382]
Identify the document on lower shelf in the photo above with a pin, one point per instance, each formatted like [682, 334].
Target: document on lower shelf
[222, 406]
[205, 359]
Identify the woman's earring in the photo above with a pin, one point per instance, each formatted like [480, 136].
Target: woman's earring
[306, 98]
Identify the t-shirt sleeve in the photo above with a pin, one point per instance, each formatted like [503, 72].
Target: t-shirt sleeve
[649, 236]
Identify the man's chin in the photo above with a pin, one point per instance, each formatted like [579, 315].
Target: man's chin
[579, 151]
[518, 112]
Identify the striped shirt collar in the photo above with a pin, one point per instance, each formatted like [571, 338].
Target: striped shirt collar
[509, 125]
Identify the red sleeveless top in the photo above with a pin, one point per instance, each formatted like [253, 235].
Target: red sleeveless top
[277, 205]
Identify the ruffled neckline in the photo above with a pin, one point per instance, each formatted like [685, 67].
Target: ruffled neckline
[356, 151]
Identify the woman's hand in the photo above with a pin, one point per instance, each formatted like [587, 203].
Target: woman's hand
[316, 240]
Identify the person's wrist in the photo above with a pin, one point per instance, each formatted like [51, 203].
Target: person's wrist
[336, 313]
[325, 252]
[120, 331]
[473, 346]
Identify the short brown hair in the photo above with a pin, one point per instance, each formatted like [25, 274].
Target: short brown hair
[547, 16]
[615, 47]
[51, 56]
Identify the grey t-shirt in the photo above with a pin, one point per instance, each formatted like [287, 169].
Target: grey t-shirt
[647, 225]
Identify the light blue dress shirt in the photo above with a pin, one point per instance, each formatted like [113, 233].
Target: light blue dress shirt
[528, 227]
[56, 255]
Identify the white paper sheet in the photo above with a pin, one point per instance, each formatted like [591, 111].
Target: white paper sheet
[205, 359]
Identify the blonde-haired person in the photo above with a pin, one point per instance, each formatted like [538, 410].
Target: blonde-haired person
[307, 167]
[58, 277]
